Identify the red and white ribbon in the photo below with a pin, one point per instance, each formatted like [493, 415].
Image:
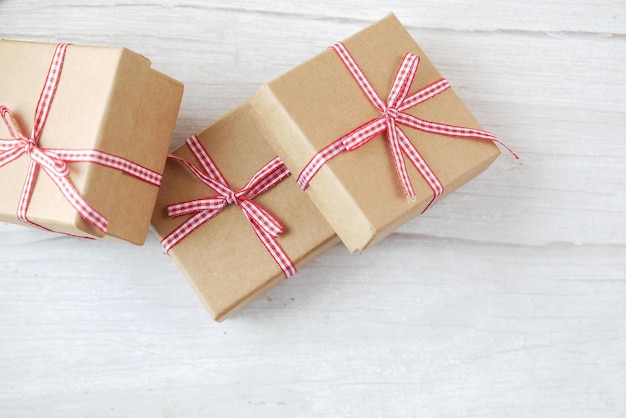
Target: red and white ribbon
[393, 112]
[264, 224]
[54, 161]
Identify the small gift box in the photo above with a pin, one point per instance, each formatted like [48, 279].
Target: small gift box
[84, 134]
[231, 216]
[373, 132]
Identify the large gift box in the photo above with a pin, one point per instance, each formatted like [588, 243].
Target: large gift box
[373, 133]
[84, 135]
[232, 217]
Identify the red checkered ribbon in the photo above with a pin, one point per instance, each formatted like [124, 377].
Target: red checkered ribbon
[393, 113]
[54, 161]
[264, 224]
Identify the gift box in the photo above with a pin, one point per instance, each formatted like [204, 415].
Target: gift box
[373, 132]
[84, 135]
[232, 217]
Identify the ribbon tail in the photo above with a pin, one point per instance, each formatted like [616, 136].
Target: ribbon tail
[450, 130]
[422, 167]
[393, 133]
[84, 209]
[267, 228]
[506, 147]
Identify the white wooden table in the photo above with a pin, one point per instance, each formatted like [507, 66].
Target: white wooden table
[508, 299]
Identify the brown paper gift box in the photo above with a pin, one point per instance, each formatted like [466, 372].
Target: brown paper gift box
[107, 99]
[358, 192]
[223, 259]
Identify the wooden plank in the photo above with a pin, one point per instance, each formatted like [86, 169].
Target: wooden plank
[578, 17]
[387, 332]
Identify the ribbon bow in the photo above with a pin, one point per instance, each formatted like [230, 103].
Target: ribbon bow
[393, 113]
[264, 224]
[54, 161]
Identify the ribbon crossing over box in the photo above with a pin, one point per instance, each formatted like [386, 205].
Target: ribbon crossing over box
[84, 135]
[232, 216]
[373, 132]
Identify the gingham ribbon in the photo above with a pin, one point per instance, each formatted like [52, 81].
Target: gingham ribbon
[54, 161]
[393, 113]
[264, 224]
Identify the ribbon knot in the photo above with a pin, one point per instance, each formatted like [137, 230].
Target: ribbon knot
[390, 113]
[28, 144]
[21, 144]
[393, 113]
[264, 224]
[232, 199]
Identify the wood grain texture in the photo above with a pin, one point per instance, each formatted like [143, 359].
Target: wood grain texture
[507, 299]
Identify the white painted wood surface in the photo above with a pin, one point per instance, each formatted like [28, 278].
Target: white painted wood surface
[506, 300]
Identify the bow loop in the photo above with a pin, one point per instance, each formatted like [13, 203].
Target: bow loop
[21, 144]
[9, 120]
[18, 144]
[403, 80]
[211, 204]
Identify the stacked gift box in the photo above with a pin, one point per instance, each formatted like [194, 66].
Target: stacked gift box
[222, 256]
[348, 146]
[66, 99]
